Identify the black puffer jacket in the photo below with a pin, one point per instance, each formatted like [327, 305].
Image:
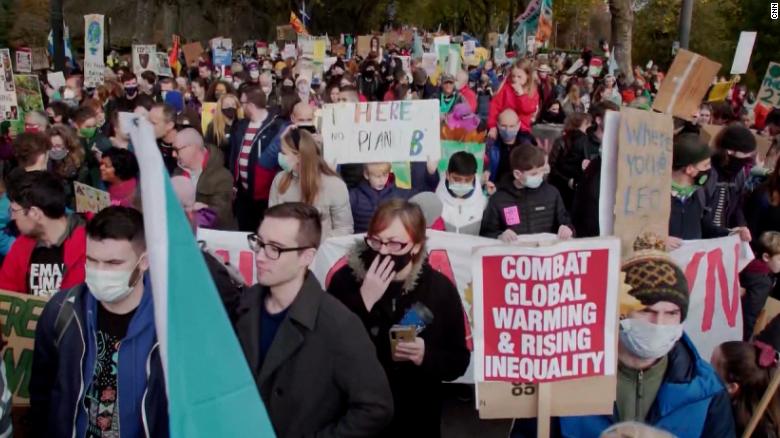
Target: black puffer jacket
[524, 211]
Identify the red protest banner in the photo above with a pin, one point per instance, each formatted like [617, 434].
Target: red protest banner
[546, 314]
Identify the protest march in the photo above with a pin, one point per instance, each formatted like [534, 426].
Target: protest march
[404, 232]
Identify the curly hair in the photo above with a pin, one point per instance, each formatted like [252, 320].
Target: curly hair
[68, 167]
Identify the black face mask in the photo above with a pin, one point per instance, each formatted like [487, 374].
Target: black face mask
[230, 113]
[131, 91]
[730, 165]
[399, 261]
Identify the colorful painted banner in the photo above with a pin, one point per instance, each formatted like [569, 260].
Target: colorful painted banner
[369, 132]
[19, 315]
[94, 43]
[769, 94]
[8, 104]
[144, 58]
[28, 93]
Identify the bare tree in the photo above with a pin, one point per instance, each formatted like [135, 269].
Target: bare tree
[144, 13]
[622, 25]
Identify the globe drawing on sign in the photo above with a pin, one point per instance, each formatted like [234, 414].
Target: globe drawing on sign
[93, 37]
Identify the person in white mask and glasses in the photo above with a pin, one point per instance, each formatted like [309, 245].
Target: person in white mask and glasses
[96, 366]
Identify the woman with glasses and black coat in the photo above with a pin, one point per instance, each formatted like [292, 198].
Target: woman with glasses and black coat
[390, 285]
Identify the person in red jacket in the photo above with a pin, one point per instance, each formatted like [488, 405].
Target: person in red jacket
[518, 93]
[49, 254]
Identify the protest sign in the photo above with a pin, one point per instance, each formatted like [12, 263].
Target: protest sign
[40, 58]
[685, 85]
[442, 40]
[709, 133]
[233, 248]
[207, 114]
[644, 175]
[222, 51]
[328, 62]
[453, 59]
[24, 60]
[469, 48]
[90, 199]
[499, 56]
[28, 93]
[8, 102]
[144, 58]
[769, 94]
[94, 66]
[743, 52]
[720, 91]
[492, 39]
[607, 192]
[19, 315]
[289, 51]
[712, 268]
[450, 147]
[192, 52]
[595, 68]
[768, 313]
[285, 33]
[369, 132]
[429, 63]
[56, 79]
[546, 314]
[363, 45]
[163, 69]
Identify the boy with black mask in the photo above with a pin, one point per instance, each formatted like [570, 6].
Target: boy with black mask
[735, 153]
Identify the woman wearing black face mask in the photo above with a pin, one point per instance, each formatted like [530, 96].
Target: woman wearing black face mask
[388, 281]
[725, 187]
[218, 131]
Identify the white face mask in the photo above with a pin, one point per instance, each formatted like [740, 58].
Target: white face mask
[111, 286]
[254, 74]
[533, 181]
[646, 340]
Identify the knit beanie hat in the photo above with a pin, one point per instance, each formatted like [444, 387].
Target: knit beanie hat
[652, 276]
[736, 137]
[689, 149]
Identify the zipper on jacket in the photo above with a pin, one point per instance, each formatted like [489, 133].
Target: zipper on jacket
[146, 390]
[79, 401]
[640, 390]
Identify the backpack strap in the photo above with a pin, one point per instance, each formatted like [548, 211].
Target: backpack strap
[66, 314]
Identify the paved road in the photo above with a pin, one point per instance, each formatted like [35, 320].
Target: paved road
[461, 420]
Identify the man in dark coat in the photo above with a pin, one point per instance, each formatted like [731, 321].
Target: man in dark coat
[313, 362]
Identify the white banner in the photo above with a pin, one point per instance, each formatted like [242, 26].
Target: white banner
[711, 266]
[370, 132]
[94, 34]
[163, 69]
[9, 109]
[144, 58]
[24, 60]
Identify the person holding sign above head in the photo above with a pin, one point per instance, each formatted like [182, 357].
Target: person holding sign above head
[311, 359]
[375, 189]
[661, 378]
[412, 313]
[526, 204]
[96, 367]
[461, 195]
[307, 178]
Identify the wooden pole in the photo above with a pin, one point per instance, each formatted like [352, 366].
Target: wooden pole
[544, 401]
[762, 405]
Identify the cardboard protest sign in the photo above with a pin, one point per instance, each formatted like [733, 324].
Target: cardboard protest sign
[644, 175]
[40, 58]
[28, 93]
[363, 45]
[712, 268]
[163, 69]
[8, 102]
[233, 248]
[192, 52]
[546, 314]
[19, 315]
[56, 79]
[94, 34]
[207, 114]
[90, 199]
[709, 133]
[685, 85]
[24, 60]
[369, 132]
[769, 94]
[222, 51]
[144, 58]
[743, 52]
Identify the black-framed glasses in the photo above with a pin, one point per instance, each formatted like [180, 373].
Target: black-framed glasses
[377, 244]
[271, 251]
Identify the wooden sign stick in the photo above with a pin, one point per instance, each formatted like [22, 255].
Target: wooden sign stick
[762, 405]
[544, 401]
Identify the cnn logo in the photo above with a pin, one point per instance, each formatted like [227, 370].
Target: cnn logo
[773, 11]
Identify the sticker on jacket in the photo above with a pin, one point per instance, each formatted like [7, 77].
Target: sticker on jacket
[511, 215]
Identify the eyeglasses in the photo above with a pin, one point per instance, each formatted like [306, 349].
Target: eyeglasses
[391, 246]
[271, 251]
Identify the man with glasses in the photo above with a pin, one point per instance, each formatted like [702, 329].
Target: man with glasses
[49, 253]
[313, 362]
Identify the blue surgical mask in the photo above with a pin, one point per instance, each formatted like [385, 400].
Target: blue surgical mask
[647, 340]
[508, 135]
[533, 182]
[284, 163]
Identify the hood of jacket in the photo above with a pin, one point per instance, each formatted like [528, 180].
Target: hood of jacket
[359, 269]
[457, 208]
